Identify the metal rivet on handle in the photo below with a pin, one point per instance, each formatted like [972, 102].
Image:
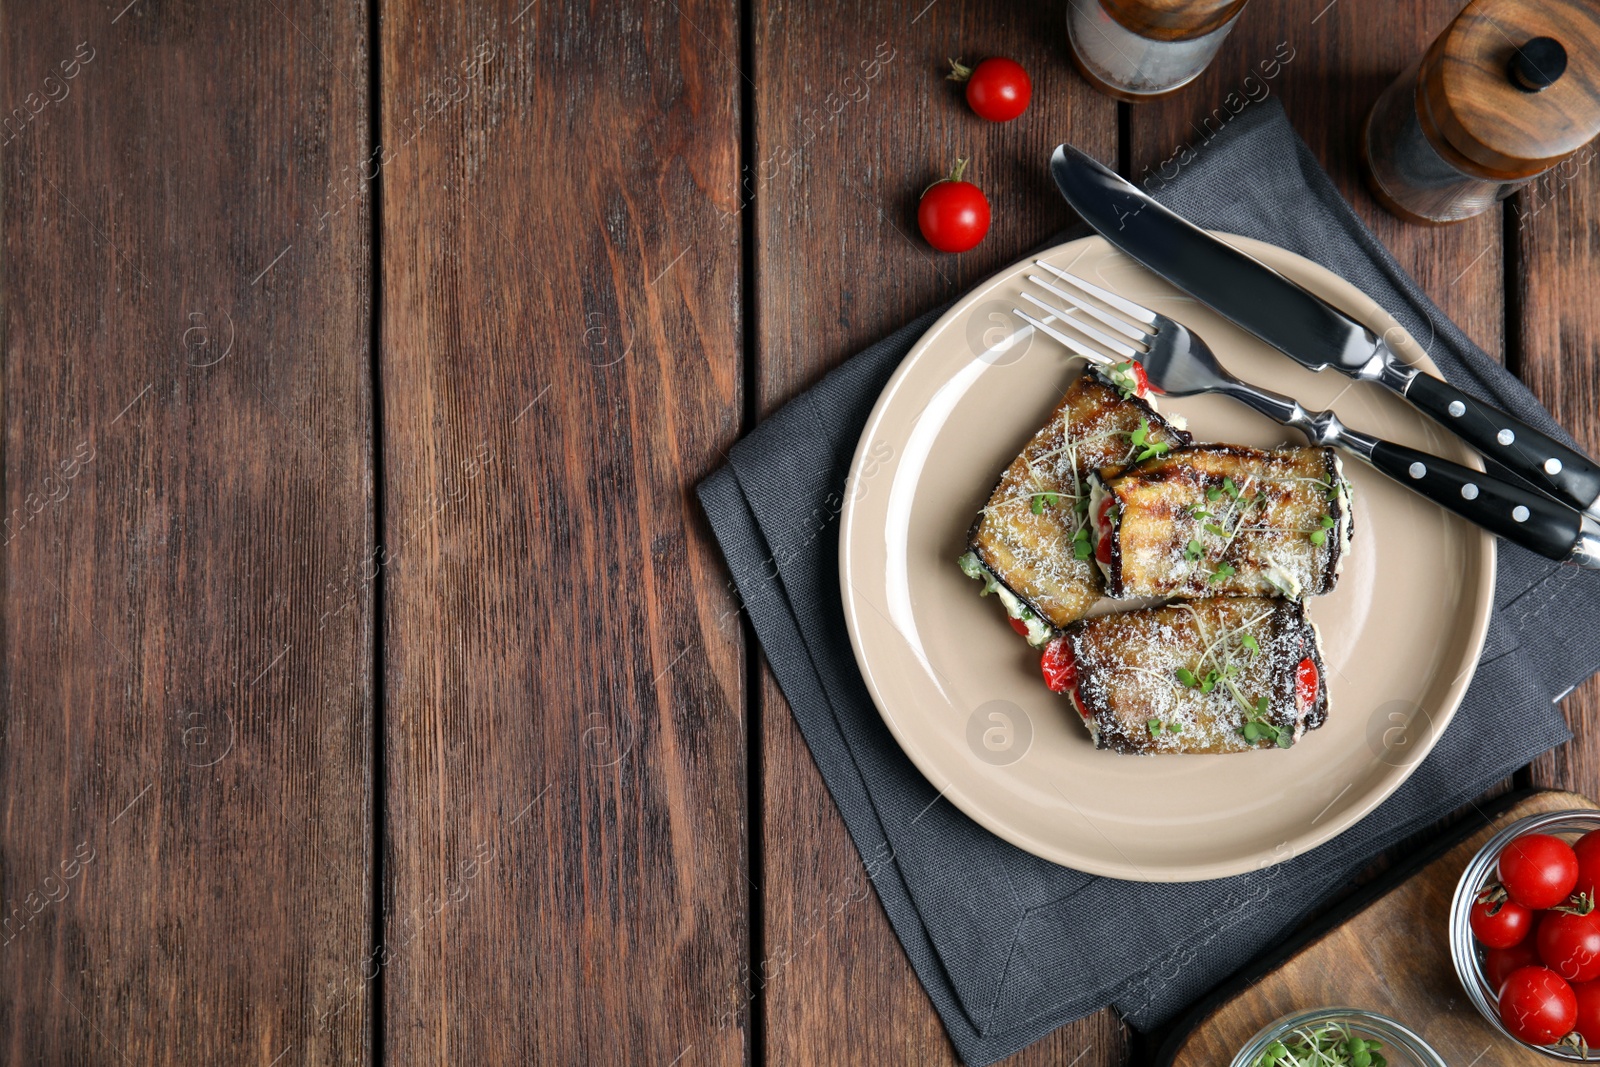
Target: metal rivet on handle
[1457, 408]
[1418, 470]
[1505, 437]
[1469, 491]
[1552, 466]
[1519, 513]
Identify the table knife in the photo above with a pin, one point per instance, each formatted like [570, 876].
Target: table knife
[1307, 328]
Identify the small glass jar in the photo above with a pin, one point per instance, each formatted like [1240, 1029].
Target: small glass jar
[1401, 1046]
[1138, 49]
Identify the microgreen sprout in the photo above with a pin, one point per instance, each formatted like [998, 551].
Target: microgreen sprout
[1328, 1045]
[1144, 447]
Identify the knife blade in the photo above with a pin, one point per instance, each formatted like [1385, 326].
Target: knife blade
[1305, 327]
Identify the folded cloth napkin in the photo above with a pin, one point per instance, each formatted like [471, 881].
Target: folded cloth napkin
[1010, 946]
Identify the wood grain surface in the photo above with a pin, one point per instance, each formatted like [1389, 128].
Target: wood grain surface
[839, 264]
[1390, 956]
[1553, 227]
[560, 336]
[186, 682]
[370, 687]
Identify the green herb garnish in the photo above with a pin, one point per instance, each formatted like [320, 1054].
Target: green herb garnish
[1186, 676]
[1223, 570]
[1081, 548]
[1140, 440]
[1249, 641]
[1193, 550]
[1327, 1045]
[1123, 377]
[1229, 488]
[1319, 537]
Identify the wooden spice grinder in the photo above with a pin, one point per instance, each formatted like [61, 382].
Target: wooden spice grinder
[1510, 90]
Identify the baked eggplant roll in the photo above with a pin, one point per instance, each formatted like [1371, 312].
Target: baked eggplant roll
[1223, 520]
[1221, 675]
[1031, 544]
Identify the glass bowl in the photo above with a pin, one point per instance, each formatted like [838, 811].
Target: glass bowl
[1401, 1047]
[1464, 950]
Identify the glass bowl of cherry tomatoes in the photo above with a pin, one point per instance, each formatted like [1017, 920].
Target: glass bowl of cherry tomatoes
[1525, 934]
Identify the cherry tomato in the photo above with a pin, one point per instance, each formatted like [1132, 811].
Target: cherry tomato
[1102, 550]
[1588, 1024]
[953, 215]
[1305, 685]
[997, 89]
[1060, 667]
[1020, 626]
[1140, 377]
[1498, 963]
[1569, 944]
[1587, 849]
[1538, 870]
[1537, 1005]
[1500, 923]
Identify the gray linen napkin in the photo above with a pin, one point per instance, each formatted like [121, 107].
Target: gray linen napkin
[1010, 946]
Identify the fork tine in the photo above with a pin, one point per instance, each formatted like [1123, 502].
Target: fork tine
[1093, 312]
[1127, 307]
[1121, 349]
[1077, 347]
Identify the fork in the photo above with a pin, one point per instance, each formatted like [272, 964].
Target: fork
[1178, 362]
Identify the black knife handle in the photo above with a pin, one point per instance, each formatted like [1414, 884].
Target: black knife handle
[1523, 516]
[1543, 461]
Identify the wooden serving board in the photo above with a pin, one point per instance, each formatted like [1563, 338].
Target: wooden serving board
[1387, 951]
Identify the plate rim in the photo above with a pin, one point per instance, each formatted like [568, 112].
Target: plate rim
[1299, 844]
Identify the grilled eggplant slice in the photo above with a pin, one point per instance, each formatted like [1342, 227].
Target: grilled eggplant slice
[1031, 543]
[1224, 520]
[1227, 674]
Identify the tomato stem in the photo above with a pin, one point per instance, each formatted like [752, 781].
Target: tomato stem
[1580, 904]
[959, 71]
[955, 175]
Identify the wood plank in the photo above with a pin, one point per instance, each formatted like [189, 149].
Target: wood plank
[1329, 62]
[852, 120]
[1556, 225]
[564, 745]
[185, 673]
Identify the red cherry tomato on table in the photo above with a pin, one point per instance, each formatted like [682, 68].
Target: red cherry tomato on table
[997, 89]
[1569, 944]
[1538, 1006]
[953, 215]
[1498, 963]
[1305, 690]
[1500, 923]
[1588, 1024]
[1060, 667]
[1538, 870]
[1587, 849]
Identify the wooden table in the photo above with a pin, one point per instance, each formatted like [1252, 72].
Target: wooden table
[371, 688]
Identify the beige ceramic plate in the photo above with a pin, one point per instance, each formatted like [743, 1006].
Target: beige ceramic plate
[962, 693]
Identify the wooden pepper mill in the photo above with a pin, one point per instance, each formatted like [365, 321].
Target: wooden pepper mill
[1139, 49]
[1508, 91]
